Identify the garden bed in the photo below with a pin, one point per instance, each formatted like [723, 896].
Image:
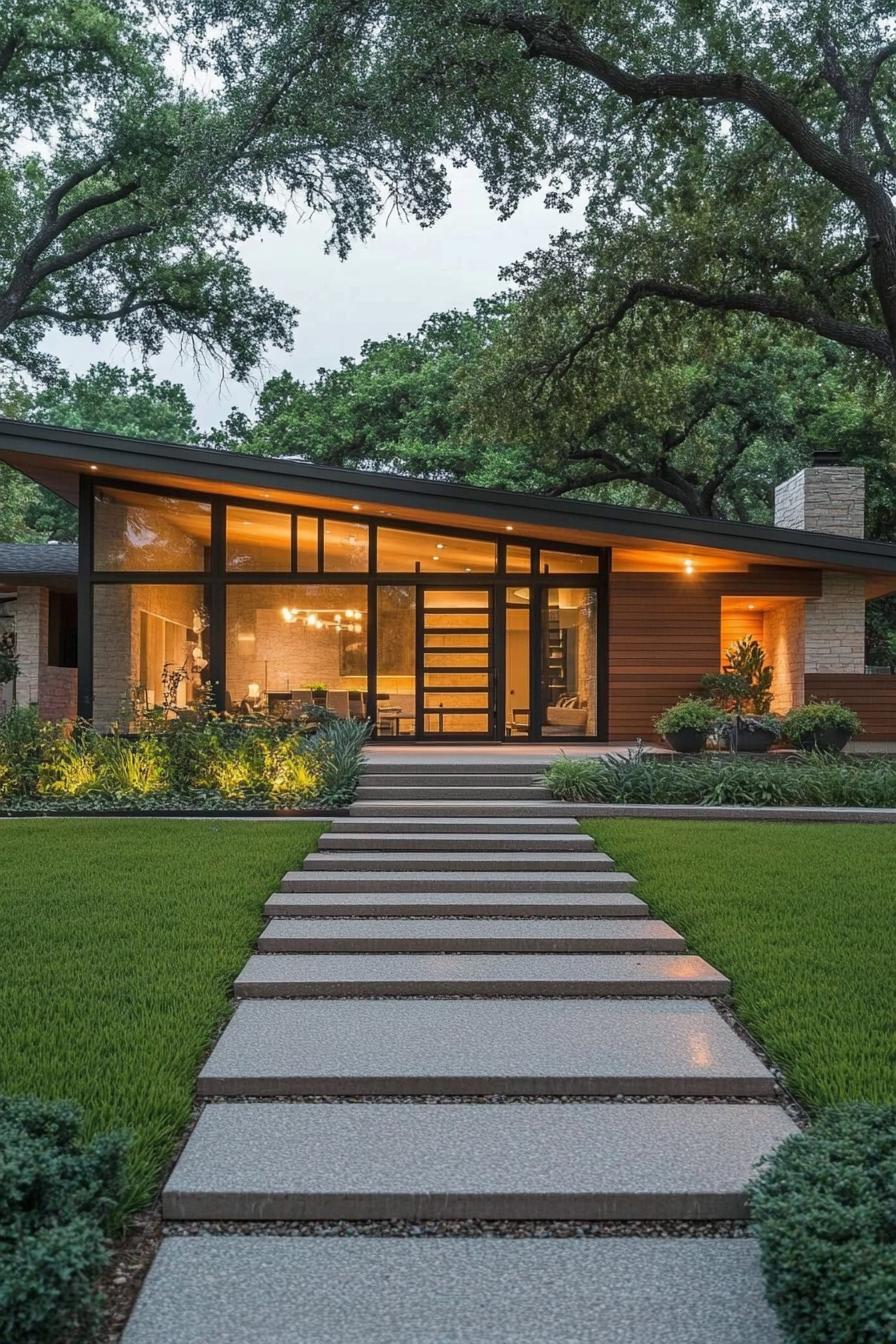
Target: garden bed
[805, 780]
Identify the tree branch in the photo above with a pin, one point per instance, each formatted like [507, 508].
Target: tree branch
[553, 39]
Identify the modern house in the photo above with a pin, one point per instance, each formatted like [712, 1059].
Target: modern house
[441, 611]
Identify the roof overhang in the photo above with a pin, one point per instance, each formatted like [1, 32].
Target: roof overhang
[56, 457]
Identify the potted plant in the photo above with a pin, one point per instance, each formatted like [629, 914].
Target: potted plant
[743, 689]
[823, 725]
[319, 693]
[749, 732]
[687, 724]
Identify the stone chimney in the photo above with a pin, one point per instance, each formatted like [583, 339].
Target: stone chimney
[826, 497]
[829, 497]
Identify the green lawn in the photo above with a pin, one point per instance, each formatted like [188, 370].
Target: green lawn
[120, 939]
[803, 919]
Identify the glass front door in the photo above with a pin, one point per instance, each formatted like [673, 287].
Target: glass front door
[455, 661]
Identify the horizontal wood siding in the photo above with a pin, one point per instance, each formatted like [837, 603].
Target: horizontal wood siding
[665, 632]
[872, 698]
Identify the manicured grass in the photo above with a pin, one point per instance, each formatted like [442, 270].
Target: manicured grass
[803, 920]
[120, 939]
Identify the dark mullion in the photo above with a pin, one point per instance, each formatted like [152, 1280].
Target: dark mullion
[217, 600]
[85, 598]
[603, 646]
[419, 660]
[497, 669]
[293, 543]
[320, 545]
[372, 627]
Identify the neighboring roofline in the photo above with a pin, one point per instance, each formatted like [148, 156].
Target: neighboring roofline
[383, 489]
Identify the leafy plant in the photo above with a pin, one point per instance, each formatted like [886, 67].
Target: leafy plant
[337, 753]
[823, 1210]
[807, 720]
[139, 767]
[318, 688]
[689, 713]
[637, 777]
[25, 739]
[745, 683]
[56, 1195]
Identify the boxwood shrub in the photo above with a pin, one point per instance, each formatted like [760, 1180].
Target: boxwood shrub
[56, 1194]
[824, 1210]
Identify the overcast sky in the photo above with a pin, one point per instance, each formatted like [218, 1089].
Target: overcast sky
[388, 285]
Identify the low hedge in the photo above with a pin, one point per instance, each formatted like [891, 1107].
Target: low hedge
[56, 1194]
[824, 1211]
[808, 781]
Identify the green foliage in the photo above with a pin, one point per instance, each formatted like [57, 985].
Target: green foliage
[186, 763]
[144, 140]
[688, 713]
[56, 1197]
[641, 778]
[745, 683]
[806, 720]
[822, 1210]
[25, 741]
[112, 997]
[766, 902]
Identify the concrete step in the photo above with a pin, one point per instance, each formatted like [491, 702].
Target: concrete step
[509, 862]
[434, 777]
[375, 766]
[479, 1047]
[519, 1160]
[467, 1290]
[436, 824]
[423, 904]
[511, 884]
[465, 841]
[482, 793]
[469, 935]
[334, 974]
[447, 809]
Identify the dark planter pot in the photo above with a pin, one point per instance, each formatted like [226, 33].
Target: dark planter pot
[319, 698]
[688, 740]
[824, 739]
[751, 740]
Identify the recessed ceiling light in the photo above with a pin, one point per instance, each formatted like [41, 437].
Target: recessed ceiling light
[93, 468]
[435, 557]
[357, 508]
[440, 545]
[509, 527]
[688, 566]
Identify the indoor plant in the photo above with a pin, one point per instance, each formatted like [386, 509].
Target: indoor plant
[687, 724]
[823, 725]
[319, 693]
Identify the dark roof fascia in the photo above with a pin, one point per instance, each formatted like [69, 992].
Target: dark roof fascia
[380, 489]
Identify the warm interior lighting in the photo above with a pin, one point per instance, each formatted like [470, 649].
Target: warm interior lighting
[688, 566]
[440, 545]
[509, 527]
[357, 508]
[93, 468]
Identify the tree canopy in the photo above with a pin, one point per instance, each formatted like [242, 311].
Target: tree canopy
[143, 141]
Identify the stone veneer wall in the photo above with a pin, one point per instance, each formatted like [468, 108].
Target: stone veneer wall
[835, 625]
[828, 499]
[823, 499]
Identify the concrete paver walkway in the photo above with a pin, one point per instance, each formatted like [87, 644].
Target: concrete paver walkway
[451, 939]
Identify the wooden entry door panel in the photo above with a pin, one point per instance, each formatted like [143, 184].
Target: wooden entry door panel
[455, 662]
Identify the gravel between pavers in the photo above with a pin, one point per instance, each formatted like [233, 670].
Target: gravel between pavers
[541, 1229]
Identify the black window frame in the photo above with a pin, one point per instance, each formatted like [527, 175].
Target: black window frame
[217, 578]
